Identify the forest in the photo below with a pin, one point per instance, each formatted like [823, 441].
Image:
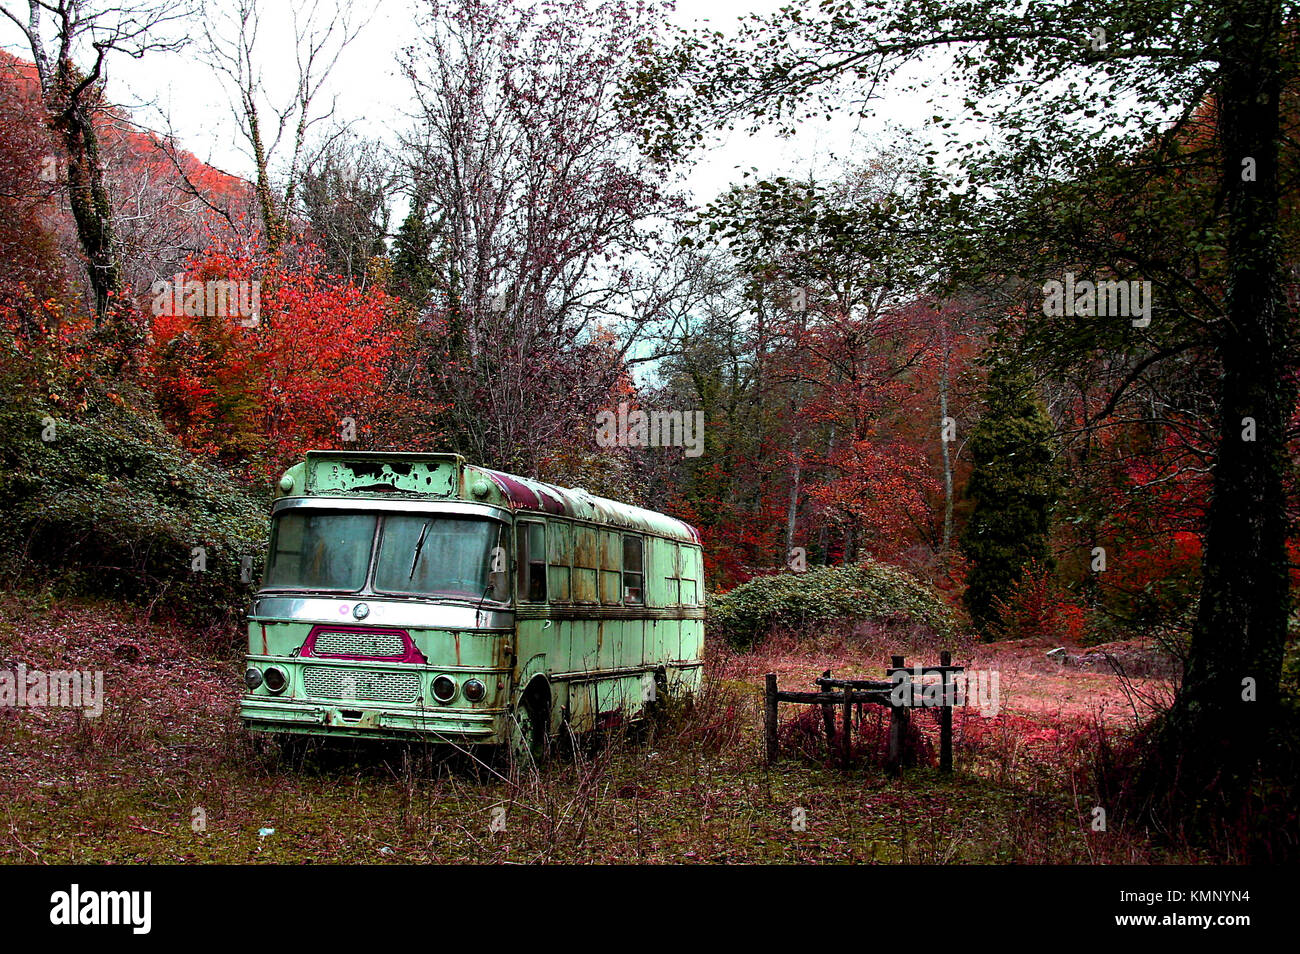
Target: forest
[1013, 377]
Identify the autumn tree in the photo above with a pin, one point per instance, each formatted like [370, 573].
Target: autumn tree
[34, 269]
[256, 391]
[838, 339]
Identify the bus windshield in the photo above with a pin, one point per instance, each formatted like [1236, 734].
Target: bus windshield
[320, 550]
[432, 555]
[418, 554]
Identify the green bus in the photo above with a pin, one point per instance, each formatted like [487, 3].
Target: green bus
[415, 596]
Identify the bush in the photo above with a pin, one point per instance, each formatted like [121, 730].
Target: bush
[110, 505]
[840, 595]
[1036, 608]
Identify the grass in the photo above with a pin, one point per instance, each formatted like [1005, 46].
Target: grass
[166, 775]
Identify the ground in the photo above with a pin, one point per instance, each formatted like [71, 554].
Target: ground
[167, 775]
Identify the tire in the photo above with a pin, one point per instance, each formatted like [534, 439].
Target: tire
[529, 739]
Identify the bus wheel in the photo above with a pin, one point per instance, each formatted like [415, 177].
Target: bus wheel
[529, 739]
[659, 708]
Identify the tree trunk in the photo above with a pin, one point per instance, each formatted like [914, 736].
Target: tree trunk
[946, 546]
[824, 537]
[274, 226]
[792, 503]
[91, 208]
[1212, 739]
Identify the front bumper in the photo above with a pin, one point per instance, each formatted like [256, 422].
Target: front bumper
[367, 720]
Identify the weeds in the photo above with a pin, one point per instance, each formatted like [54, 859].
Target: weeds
[691, 786]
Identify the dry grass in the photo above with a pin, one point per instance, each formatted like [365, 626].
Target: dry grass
[167, 775]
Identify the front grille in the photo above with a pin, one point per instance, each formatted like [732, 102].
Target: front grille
[372, 645]
[331, 682]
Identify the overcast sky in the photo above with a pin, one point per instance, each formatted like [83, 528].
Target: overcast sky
[179, 88]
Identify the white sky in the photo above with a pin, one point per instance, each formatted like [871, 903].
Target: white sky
[370, 91]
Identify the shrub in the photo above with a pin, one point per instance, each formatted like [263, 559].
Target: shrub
[839, 595]
[111, 505]
[1037, 607]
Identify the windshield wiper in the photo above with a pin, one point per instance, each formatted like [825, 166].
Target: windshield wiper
[419, 545]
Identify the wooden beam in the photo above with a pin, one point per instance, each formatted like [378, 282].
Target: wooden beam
[945, 717]
[852, 683]
[848, 729]
[828, 719]
[879, 697]
[769, 718]
[897, 727]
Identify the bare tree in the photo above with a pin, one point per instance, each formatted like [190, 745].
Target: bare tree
[168, 205]
[277, 127]
[345, 192]
[542, 198]
[71, 71]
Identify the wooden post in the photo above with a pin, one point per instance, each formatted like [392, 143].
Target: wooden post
[769, 717]
[828, 718]
[945, 716]
[848, 727]
[898, 721]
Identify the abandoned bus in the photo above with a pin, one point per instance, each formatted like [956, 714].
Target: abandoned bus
[415, 595]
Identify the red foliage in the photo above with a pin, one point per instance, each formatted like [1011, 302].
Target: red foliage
[259, 396]
[1037, 607]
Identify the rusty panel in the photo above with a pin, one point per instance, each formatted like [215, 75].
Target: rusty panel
[584, 586]
[634, 631]
[561, 544]
[559, 576]
[584, 648]
[611, 587]
[582, 707]
[584, 547]
[609, 643]
[604, 702]
[341, 472]
[692, 639]
[611, 550]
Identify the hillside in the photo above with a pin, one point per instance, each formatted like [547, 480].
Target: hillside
[169, 202]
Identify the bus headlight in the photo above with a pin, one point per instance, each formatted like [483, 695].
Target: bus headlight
[444, 688]
[252, 678]
[474, 690]
[276, 680]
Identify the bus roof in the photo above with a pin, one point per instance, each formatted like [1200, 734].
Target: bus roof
[418, 476]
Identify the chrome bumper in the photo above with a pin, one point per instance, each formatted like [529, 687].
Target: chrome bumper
[366, 720]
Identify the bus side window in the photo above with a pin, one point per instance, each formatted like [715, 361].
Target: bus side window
[560, 560]
[586, 563]
[677, 593]
[611, 587]
[633, 570]
[689, 576]
[532, 562]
